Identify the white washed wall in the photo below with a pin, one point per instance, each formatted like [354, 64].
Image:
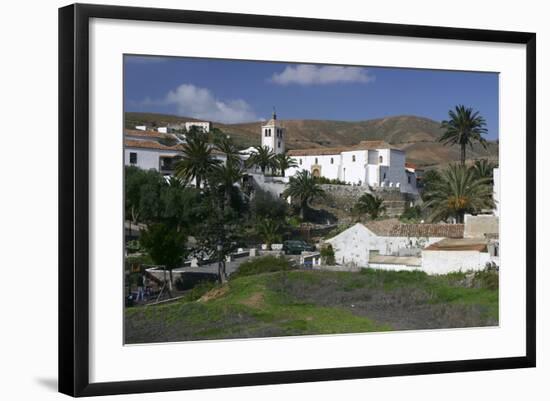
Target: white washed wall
[442, 262]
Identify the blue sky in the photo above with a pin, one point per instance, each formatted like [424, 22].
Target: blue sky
[241, 91]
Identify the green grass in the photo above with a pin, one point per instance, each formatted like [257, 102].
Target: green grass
[297, 302]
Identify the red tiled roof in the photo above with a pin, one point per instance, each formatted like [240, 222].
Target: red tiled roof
[463, 244]
[363, 145]
[144, 134]
[393, 228]
[130, 143]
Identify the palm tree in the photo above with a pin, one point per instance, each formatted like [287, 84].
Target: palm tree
[304, 188]
[263, 157]
[463, 128]
[224, 177]
[284, 162]
[369, 204]
[197, 160]
[458, 192]
[225, 145]
[269, 231]
[484, 169]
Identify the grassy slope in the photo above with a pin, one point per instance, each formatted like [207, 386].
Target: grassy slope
[307, 302]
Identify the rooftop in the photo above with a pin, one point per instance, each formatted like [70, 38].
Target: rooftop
[462, 244]
[393, 228]
[130, 143]
[363, 145]
[144, 134]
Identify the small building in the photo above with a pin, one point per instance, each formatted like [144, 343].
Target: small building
[450, 255]
[203, 126]
[149, 155]
[359, 243]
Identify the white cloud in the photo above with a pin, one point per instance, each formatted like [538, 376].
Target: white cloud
[196, 102]
[304, 74]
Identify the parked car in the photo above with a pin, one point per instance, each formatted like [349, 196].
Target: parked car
[295, 247]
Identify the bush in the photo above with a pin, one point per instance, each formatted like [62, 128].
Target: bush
[486, 279]
[265, 264]
[199, 290]
[327, 255]
[411, 215]
[335, 181]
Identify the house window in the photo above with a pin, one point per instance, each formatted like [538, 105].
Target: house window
[266, 133]
[353, 158]
[409, 179]
[300, 161]
[133, 158]
[380, 159]
[332, 160]
[279, 144]
[384, 176]
[316, 161]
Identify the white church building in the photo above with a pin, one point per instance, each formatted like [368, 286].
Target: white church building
[273, 135]
[372, 163]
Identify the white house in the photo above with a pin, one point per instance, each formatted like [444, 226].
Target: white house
[455, 255]
[373, 163]
[203, 126]
[361, 242]
[150, 155]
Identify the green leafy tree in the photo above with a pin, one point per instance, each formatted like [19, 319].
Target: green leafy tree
[283, 162]
[369, 204]
[458, 192]
[264, 205]
[263, 157]
[165, 245]
[303, 188]
[180, 205]
[197, 160]
[141, 193]
[464, 127]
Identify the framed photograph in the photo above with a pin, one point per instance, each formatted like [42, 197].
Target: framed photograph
[252, 199]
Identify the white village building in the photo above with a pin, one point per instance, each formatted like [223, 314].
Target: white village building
[369, 163]
[203, 126]
[433, 248]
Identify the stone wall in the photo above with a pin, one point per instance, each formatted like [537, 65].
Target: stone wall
[345, 196]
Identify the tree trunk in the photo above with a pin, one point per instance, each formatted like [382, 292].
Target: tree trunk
[463, 154]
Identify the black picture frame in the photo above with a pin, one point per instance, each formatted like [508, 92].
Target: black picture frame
[74, 200]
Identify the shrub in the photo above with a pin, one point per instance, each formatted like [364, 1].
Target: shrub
[331, 181]
[486, 279]
[411, 215]
[199, 290]
[327, 255]
[265, 264]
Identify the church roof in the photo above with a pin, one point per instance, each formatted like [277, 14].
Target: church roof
[363, 145]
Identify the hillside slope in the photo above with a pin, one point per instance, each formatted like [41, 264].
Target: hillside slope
[417, 136]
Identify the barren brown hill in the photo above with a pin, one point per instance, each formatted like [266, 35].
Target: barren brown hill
[417, 136]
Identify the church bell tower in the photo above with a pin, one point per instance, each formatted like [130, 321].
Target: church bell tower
[273, 135]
